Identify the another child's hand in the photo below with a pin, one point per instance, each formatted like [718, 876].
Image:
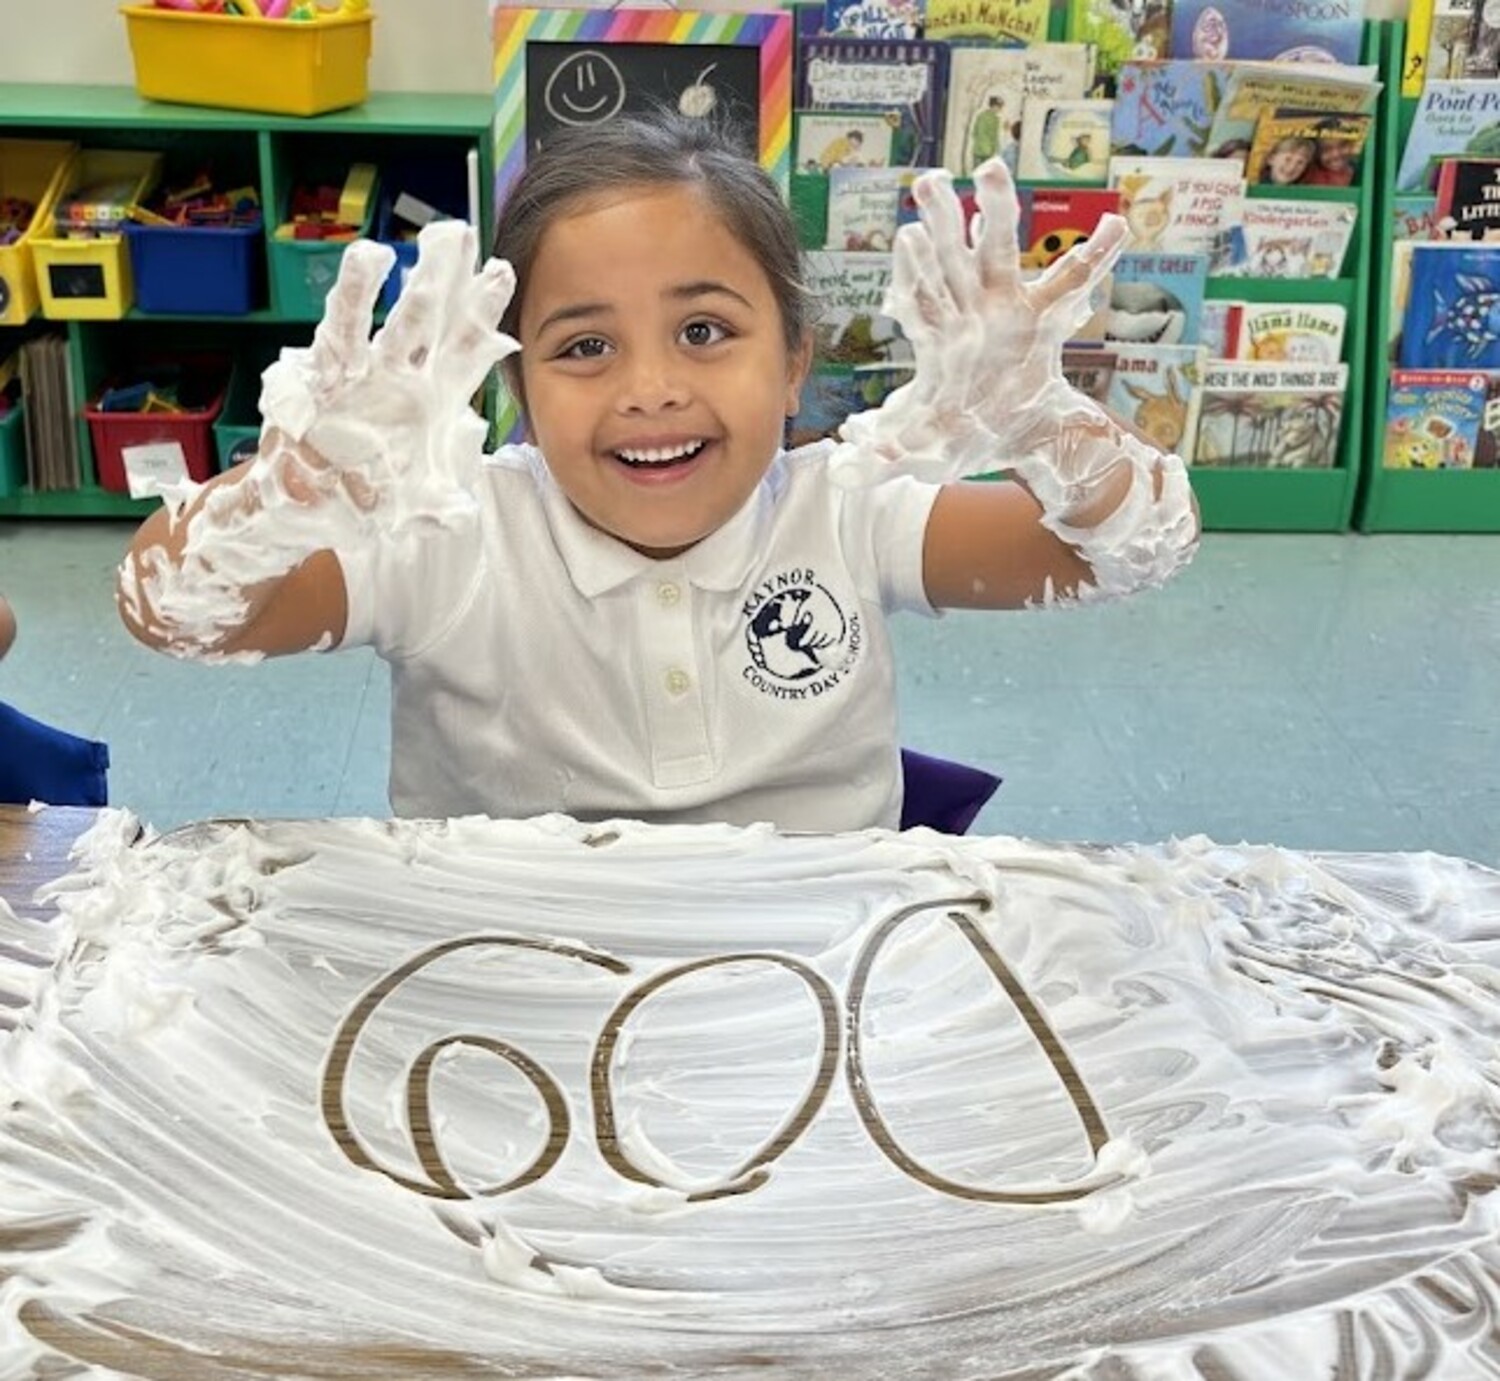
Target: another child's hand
[387, 421]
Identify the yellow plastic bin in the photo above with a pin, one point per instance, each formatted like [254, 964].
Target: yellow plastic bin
[279, 66]
[90, 280]
[31, 170]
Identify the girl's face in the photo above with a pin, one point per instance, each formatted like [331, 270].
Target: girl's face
[655, 366]
[1288, 163]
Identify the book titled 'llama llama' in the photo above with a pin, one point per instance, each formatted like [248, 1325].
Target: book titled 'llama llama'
[1166, 109]
[1270, 416]
[1453, 119]
[1275, 30]
[879, 75]
[1433, 419]
[1156, 389]
[1294, 332]
[1452, 318]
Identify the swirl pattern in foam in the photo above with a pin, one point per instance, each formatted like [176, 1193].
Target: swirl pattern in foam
[483, 1098]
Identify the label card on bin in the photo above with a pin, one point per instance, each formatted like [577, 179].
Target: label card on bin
[152, 467]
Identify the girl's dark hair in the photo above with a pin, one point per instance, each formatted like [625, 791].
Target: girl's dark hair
[662, 148]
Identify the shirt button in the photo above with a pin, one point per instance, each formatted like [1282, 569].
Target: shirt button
[678, 682]
[668, 593]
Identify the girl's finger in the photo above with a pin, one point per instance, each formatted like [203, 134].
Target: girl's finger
[472, 343]
[445, 261]
[942, 217]
[923, 281]
[996, 245]
[1083, 267]
[341, 343]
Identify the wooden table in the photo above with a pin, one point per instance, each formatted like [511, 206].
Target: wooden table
[34, 850]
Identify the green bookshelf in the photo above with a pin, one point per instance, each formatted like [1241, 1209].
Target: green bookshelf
[270, 151]
[1407, 500]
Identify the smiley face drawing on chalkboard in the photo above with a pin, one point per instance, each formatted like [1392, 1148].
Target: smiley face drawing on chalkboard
[586, 88]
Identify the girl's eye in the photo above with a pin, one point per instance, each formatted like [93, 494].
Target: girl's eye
[704, 333]
[589, 348]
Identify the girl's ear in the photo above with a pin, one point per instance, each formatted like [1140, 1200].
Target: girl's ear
[798, 366]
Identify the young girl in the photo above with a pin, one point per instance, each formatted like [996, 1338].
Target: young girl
[650, 611]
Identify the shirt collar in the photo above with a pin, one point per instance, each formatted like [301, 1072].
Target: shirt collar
[598, 563]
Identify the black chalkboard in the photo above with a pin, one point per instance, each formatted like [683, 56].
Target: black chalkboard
[591, 83]
[76, 281]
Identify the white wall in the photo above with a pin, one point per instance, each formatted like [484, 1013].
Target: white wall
[420, 45]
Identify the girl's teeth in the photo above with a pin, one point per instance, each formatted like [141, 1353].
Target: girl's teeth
[660, 457]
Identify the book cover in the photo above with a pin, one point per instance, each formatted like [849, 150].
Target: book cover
[1487, 440]
[1165, 108]
[1433, 418]
[1307, 148]
[849, 323]
[1157, 299]
[1294, 332]
[834, 393]
[1056, 219]
[845, 139]
[877, 75]
[1414, 52]
[1252, 88]
[862, 208]
[1448, 40]
[1120, 30]
[1276, 238]
[1184, 205]
[1400, 291]
[1089, 368]
[1064, 141]
[895, 19]
[986, 90]
[1467, 204]
[1219, 327]
[991, 21]
[1483, 58]
[1452, 318]
[1275, 30]
[1453, 119]
[1156, 389]
[1414, 216]
[1270, 416]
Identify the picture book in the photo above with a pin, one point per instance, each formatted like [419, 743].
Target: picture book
[986, 88]
[1179, 204]
[845, 139]
[1156, 389]
[1253, 88]
[1089, 369]
[1483, 58]
[1157, 299]
[1433, 418]
[862, 205]
[1467, 205]
[1120, 30]
[1277, 238]
[833, 393]
[1270, 416]
[1448, 40]
[1064, 141]
[848, 291]
[1452, 318]
[1414, 216]
[1414, 50]
[1400, 290]
[1055, 219]
[989, 21]
[1275, 30]
[1296, 332]
[1307, 148]
[1166, 108]
[1219, 327]
[898, 19]
[876, 75]
[1487, 439]
[1453, 118]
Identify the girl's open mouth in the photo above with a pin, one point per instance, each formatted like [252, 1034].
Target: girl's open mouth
[661, 458]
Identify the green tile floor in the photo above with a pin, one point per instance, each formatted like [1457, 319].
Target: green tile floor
[1335, 692]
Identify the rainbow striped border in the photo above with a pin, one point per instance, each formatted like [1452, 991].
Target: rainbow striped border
[771, 33]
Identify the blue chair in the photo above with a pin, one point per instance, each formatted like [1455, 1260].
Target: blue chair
[40, 763]
[943, 795]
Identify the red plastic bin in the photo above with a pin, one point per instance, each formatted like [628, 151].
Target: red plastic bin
[202, 391]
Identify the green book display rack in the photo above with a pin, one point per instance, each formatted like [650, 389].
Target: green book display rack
[1407, 500]
[269, 152]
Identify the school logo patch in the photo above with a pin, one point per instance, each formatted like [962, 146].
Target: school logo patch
[801, 641]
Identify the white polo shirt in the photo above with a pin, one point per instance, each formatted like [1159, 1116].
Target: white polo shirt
[540, 665]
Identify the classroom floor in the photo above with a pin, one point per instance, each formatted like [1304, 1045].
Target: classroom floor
[1334, 692]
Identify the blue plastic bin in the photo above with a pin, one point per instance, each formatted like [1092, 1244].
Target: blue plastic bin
[211, 270]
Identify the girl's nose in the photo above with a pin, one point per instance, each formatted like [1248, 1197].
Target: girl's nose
[652, 382]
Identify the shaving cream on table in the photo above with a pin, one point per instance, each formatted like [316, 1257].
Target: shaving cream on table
[479, 1098]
